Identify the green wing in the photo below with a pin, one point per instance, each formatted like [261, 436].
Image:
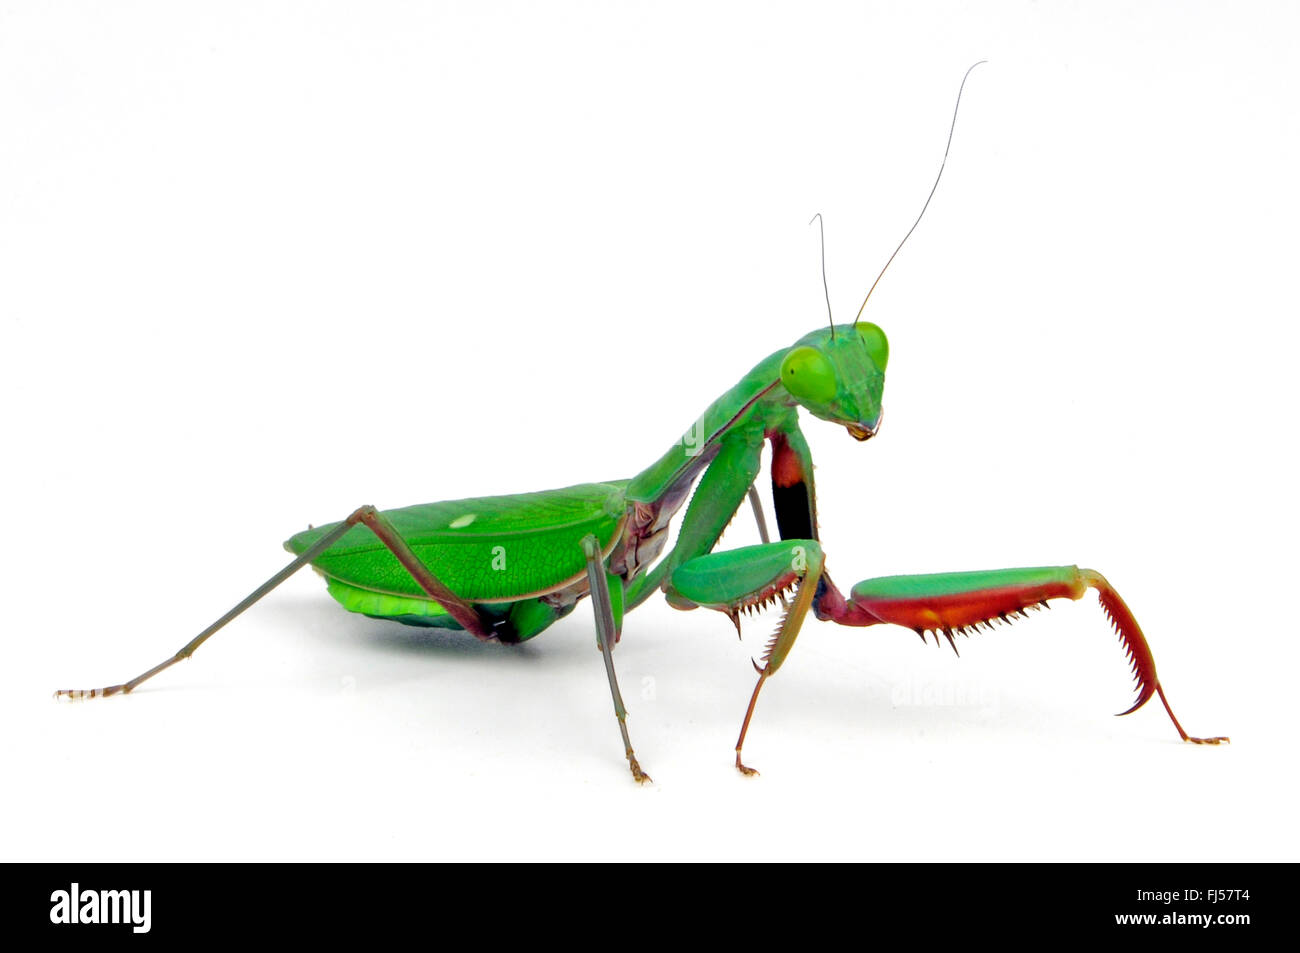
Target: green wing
[487, 549]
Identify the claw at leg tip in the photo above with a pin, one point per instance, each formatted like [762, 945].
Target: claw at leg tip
[640, 776]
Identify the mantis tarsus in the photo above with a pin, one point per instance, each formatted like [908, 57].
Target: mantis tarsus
[505, 568]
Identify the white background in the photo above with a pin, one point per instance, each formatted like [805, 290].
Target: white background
[262, 263]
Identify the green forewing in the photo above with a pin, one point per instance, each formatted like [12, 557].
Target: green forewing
[488, 549]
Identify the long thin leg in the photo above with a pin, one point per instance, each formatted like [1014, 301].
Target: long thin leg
[744, 728]
[757, 504]
[606, 633]
[462, 611]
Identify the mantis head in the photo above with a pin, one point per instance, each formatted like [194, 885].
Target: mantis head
[839, 375]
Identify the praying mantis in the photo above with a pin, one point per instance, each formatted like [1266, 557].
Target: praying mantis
[505, 568]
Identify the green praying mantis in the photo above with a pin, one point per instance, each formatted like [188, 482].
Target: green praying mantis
[505, 568]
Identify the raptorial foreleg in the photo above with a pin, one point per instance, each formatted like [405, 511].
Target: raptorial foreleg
[954, 604]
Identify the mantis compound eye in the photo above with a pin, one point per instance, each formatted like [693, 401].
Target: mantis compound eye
[876, 342]
[807, 374]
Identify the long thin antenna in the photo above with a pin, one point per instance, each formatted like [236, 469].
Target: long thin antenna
[927, 200]
[822, 229]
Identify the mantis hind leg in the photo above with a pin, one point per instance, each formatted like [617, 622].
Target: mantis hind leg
[459, 609]
[958, 603]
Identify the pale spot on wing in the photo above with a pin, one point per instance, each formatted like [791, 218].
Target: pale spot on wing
[460, 522]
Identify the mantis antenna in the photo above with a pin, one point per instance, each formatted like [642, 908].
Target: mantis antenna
[927, 200]
[822, 229]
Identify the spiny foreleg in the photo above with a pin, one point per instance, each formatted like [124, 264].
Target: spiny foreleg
[954, 604]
